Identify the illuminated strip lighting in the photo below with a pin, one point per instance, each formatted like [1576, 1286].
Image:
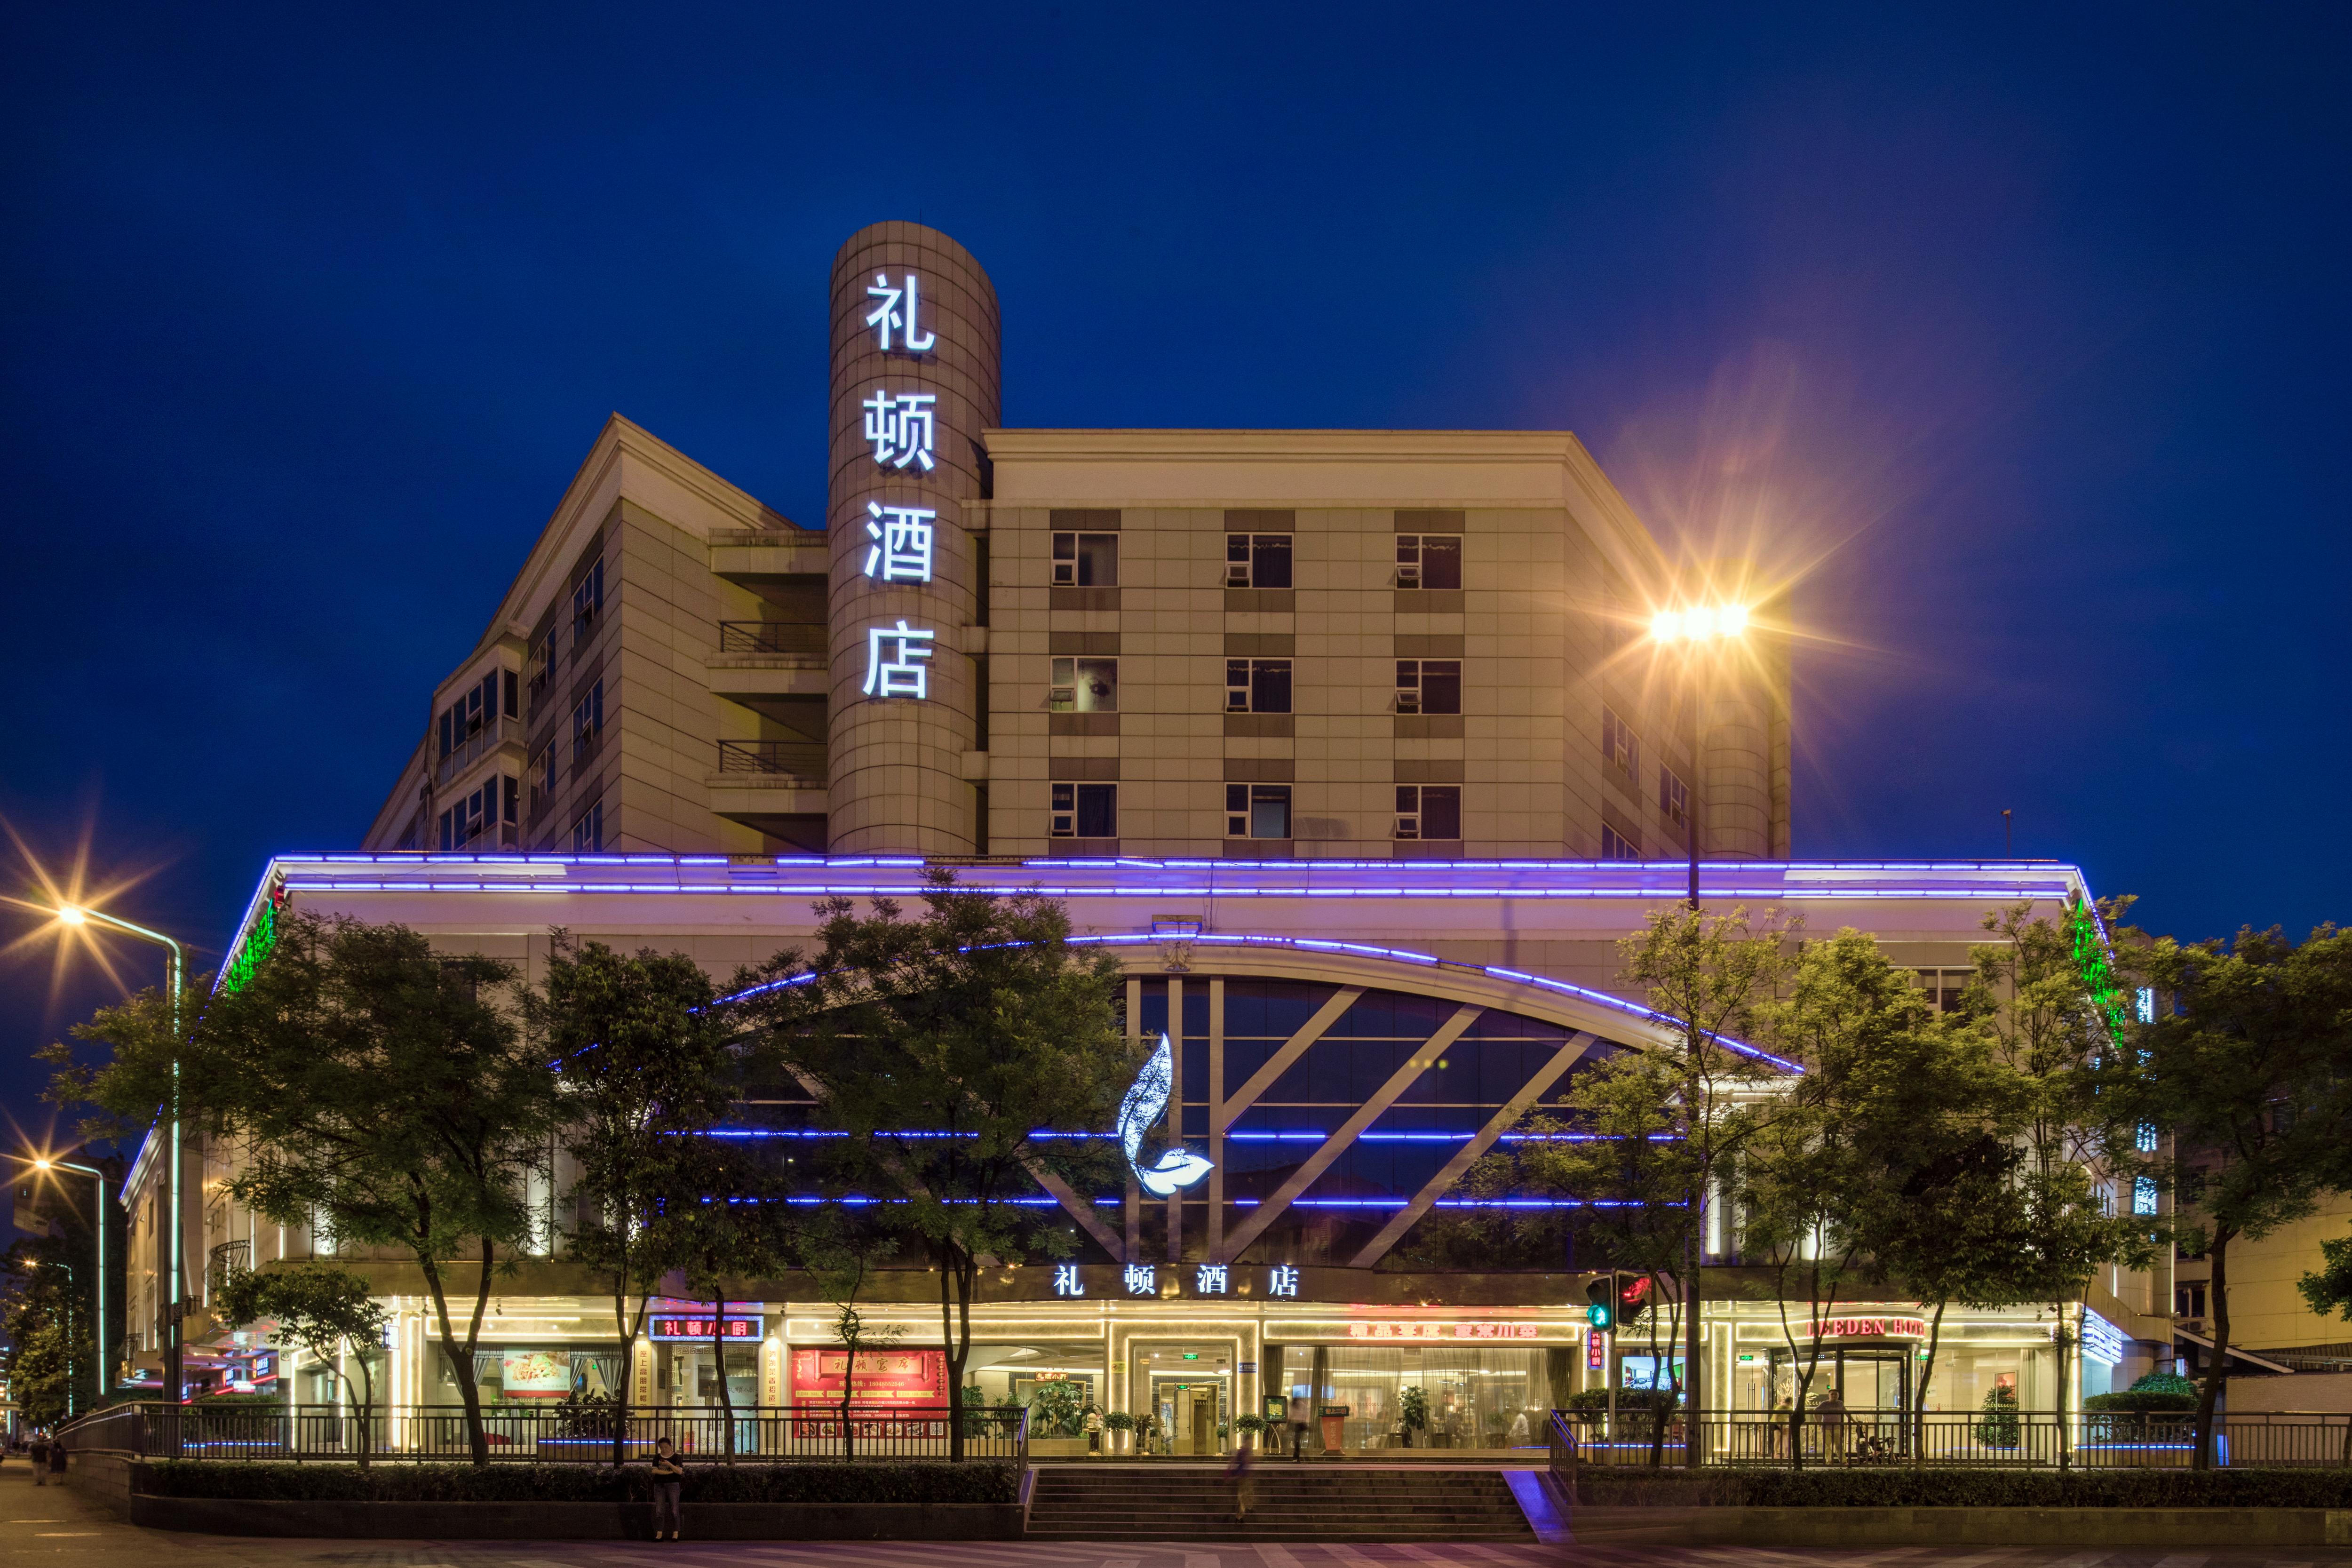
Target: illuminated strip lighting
[1670, 870]
[857, 1200]
[1779, 894]
[1043, 1136]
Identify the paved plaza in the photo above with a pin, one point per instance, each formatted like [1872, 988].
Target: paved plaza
[59, 1528]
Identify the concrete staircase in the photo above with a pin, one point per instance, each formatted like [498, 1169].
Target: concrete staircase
[1352, 1503]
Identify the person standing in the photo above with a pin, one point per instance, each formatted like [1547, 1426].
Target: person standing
[41, 1459]
[57, 1460]
[669, 1478]
[1831, 1413]
[1094, 1428]
[1302, 1410]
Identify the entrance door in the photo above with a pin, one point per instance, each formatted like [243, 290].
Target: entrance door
[1190, 1412]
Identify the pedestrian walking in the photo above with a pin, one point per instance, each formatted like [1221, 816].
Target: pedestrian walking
[669, 1477]
[1831, 1413]
[1243, 1472]
[1301, 1411]
[40, 1459]
[1094, 1429]
[57, 1460]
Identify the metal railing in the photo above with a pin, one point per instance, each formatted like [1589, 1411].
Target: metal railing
[494, 733]
[771, 637]
[2094, 1440]
[803, 759]
[229, 1259]
[766, 1434]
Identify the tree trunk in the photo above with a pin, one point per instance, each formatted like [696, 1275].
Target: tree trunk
[367, 1407]
[1693, 1384]
[628, 1369]
[461, 1357]
[946, 1255]
[850, 1392]
[1919, 1399]
[2217, 1375]
[719, 1356]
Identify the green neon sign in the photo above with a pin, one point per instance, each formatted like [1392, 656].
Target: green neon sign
[2090, 950]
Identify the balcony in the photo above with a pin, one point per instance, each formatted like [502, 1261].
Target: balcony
[771, 637]
[797, 760]
[493, 734]
[229, 1259]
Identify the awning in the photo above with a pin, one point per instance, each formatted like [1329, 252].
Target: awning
[2245, 1355]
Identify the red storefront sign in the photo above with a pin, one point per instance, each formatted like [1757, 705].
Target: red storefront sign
[1868, 1329]
[884, 1377]
[699, 1327]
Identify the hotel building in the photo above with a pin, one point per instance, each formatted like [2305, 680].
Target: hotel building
[1348, 746]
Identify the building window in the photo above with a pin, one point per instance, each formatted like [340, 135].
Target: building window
[1085, 685]
[488, 812]
[587, 605]
[1616, 846]
[1429, 811]
[587, 724]
[1620, 747]
[1085, 811]
[1086, 561]
[1429, 561]
[1258, 811]
[465, 718]
[2188, 1300]
[541, 661]
[1257, 561]
[1257, 685]
[1429, 686]
[2143, 1194]
[543, 768]
[588, 832]
[1673, 797]
[1944, 987]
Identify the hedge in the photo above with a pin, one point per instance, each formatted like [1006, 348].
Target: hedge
[932, 1481]
[1891, 1487]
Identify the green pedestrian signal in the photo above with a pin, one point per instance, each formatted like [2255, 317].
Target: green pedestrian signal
[1602, 1294]
[1597, 1315]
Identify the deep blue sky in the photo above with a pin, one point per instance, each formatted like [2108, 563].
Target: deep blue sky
[2027, 329]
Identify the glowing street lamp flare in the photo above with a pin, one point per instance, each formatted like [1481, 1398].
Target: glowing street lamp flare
[1701, 623]
[72, 915]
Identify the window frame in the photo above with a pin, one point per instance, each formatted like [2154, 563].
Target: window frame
[1673, 797]
[1413, 695]
[1247, 688]
[1412, 558]
[1618, 740]
[1066, 806]
[1242, 801]
[587, 722]
[1414, 804]
[1070, 571]
[1616, 848]
[1076, 669]
[1247, 570]
[587, 605]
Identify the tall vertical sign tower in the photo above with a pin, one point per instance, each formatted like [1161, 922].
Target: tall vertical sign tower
[915, 368]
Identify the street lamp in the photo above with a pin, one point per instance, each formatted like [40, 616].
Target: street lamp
[105, 1364]
[1693, 633]
[82, 915]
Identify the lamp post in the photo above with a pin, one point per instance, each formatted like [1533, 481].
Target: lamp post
[1693, 633]
[80, 915]
[105, 1362]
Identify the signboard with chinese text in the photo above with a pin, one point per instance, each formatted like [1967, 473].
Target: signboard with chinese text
[884, 1377]
[690, 1327]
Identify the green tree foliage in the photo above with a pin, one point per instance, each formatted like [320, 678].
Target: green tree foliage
[383, 1090]
[729, 1225]
[329, 1312]
[2046, 1003]
[1706, 976]
[46, 1320]
[641, 1062]
[976, 1019]
[843, 1250]
[2246, 1070]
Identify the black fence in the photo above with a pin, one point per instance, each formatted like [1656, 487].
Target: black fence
[2094, 1440]
[761, 1432]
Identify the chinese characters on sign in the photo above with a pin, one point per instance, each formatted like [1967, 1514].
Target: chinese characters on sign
[1066, 1281]
[901, 551]
[1440, 1331]
[1281, 1279]
[894, 661]
[896, 313]
[1141, 1280]
[901, 428]
[1209, 1279]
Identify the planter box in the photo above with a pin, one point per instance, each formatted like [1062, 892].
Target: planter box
[2172, 1529]
[579, 1520]
[1057, 1448]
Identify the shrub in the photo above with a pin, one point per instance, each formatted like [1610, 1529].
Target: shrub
[2165, 1383]
[1120, 1421]
[1252, 1425]
[1999, 1427]
[914, 1482]
[1965, 1488]
[2149, 1401]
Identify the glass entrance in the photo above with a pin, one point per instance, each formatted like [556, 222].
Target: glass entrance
[1187, 1396]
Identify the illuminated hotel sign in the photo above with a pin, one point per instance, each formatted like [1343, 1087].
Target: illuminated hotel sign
[902, 552]
[902, 429]
[895, 659]
[896, 313]
[1442, 1331]
[699, 1329]
[1868, 1329]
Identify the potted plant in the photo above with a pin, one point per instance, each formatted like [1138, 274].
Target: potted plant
[1121, 1428]
[1251, 1426]
[1999, 1427]
[1413, 1406]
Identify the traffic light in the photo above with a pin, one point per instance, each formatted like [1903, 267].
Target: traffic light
[1633, 1300]
[1602, 1292]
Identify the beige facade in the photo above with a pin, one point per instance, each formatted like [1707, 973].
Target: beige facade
[1333, 644]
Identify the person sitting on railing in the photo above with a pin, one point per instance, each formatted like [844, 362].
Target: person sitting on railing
[669, 1478]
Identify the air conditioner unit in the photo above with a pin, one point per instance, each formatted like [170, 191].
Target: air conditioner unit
[1237, 575]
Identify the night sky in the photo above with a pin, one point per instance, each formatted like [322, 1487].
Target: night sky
[2019, 341]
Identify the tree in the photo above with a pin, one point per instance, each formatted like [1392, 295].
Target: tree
[730, 1222]
[1706, 976]
[47, 1326]
[2047, 1004]
[2247, 1067]
[383, 1093]
[842, 1255]
[641, 1062]
[940, 1044]
[325, 1311]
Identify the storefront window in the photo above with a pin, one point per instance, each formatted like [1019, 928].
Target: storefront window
[1474, 1397]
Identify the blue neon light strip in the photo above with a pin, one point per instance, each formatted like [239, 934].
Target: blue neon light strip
[1045, 1135]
